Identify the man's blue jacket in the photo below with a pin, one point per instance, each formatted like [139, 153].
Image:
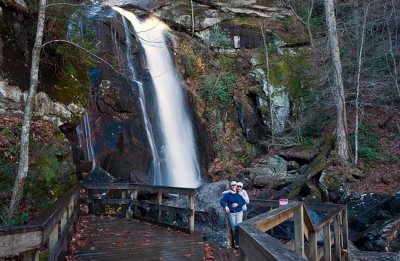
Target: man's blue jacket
[228, 199]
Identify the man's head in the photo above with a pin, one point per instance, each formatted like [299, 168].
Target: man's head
[239, 185]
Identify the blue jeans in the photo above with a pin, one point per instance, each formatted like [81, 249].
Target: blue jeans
[235, 219]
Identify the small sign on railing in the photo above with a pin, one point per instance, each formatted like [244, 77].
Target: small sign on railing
[283, 202]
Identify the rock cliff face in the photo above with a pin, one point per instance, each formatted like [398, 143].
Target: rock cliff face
[239, 93]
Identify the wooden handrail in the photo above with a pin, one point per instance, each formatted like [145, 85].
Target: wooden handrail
[140, 187]
[44, 229]
[257, 245]
[158, 204]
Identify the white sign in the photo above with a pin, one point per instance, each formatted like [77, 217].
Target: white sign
[283, 202]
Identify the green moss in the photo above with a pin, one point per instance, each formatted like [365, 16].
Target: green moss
[369, 147]
[73, 84]
[73, 63]
[291, 70]
[249, 21]
[217, 89]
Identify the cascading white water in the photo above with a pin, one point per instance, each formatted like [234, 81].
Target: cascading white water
[85, 139]
[178, 150]
[156, 171]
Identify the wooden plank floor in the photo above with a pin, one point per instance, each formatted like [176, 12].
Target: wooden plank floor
[112, 238]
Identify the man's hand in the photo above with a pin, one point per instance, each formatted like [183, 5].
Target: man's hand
[234, 205]
[227, 210]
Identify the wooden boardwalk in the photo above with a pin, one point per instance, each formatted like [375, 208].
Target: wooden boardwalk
[111, 238]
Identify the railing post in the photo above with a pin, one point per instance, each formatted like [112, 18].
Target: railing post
[327, 242]
[313, 247]
[135, 201]
[91, 199]
[228, 231]
[63, 230]
[338, 244]
[345, 231]
[31, 255]
[159, 203]
[53, 239]
[191, 218]
[299, 231]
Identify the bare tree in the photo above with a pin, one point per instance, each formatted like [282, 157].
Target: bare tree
[191, 5]
[357, 121]
[391, 47]
[24, 150]
[341, 125]
[270, 89]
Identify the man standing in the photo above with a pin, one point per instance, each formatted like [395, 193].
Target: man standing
[244, 195]
[233, 203]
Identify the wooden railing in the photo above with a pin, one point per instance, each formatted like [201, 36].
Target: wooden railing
[257, 244]
[52, 228]
[127, 189]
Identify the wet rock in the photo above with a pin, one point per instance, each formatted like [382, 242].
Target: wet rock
[250, 120]
[356, 254]
[365, 209]
[381, 236]
[334, 187]
[293, 165]
[280, 102]
[276, 163]
[113, 99]
[271, 172]
[147, 5]
[299, 154]
[98, 175]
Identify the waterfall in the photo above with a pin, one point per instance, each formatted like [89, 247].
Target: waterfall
[85, 139]
[177, 149]
[155, 171]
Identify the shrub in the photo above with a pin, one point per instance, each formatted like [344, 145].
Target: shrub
[220, 38]
[368, 143]
[217, 89]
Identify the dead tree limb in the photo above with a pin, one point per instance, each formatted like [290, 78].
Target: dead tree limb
[315, 167]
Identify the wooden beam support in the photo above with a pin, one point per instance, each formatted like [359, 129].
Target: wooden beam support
[191, 217]
[299, 231]
[327, 243]
[313, 247]
[345, 232]
[338, 244]
[159, 203]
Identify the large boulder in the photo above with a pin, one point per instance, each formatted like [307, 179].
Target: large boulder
[271, 172]
[374, 221]
[209, 216]
[275, 96]
[381, 236]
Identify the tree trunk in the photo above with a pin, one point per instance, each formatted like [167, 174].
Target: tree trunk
[271, 101]
[341, 124]
[391, 50]
[191, 5]
[309, 25]
[24, 149]
[358, 88]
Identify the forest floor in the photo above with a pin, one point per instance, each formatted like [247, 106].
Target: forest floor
[380, 161]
